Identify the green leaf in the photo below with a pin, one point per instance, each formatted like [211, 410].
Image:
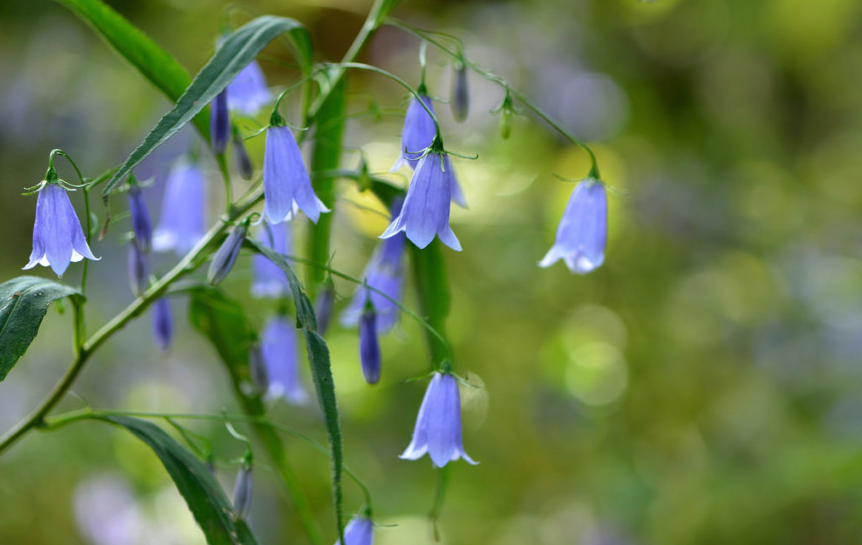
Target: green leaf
[153, 62]
[23, 303]
[202, 493]
[234, 54]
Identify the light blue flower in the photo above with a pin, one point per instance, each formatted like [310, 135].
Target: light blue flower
[285, 180]
[280, 355]
[583, 230]
[359, 531]
[268, 280]
[438, 426]
[182, 223]
[426, 208]
[57, 235]
[248, 93]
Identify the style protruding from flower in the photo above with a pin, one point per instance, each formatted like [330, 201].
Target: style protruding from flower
[219, 123]
[58, 238]
[225, 256]
[285, 180]
[583, 230]
[438, 426]
[426, 208]
[268, 280]
[163, 323]
[459, 100]
[359, 531]
[280, 354]
[182, 223]
[384, 273]
[248, 93]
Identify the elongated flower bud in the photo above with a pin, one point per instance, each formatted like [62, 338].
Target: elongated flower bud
[141, 224]
[219, 123]
[241, 160]
[323, 308]
[459, 100]
[163, 323]
[226, 255]
[257, 369]
[139, 269]
[242, 492]
[506, 123]
[369, 348]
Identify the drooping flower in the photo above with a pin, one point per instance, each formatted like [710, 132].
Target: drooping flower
[384, 273]
[139, 269]
[459, 100]
[181, 224]
[280, 355]
[242, 492]
[58, 238]
[369, 348]
[163, 323]
[225, 256]
[219, 123]
[141, 225]
[268, 279]
[583, 230]
[248, 92]
[438, 426]
[426, 208]
[359, 531]
[285, 179]
[418, 135]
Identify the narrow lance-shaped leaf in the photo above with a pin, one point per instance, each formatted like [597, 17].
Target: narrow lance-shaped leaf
[198, 487]
[153, 62]
[23, 303]
[234, 54]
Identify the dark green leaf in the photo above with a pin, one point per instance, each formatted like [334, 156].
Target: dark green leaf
[23, 303]
[203, 494]
[234, 54]
[153, 62]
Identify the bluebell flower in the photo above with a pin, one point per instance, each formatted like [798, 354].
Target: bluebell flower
[248, 93]
[385, 273]
[242, 492]
[369, 348]
[459, 100]
[583, 230]
[359, 531]
[426, 208]
[285, 179]
[219, 123]
[182, 223]
[418, 135]
[163, 323]
[281, 359]
[139, 269]
[57, 235]
[438, 426]
[141, 224]
[227, 253]
[268, 280]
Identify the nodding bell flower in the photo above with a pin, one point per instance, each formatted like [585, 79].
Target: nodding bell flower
[139, 269]
[219, 123]
[359, 531]
[58, 238]
[268, 280]
[142, 227]
[323, 307]
[242, 492]
[280, 356]
[438, 426]
[384, 273]
[181, 224]
[241, 160]
[583, 230]
[285, 179]
[426, 208]
[369, 348]
[163, 323]
[459, 100]
[248, 93]
[225, 256]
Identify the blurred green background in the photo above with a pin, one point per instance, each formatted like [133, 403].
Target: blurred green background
[704, 386]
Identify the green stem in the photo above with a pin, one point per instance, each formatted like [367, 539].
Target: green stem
[432, 288]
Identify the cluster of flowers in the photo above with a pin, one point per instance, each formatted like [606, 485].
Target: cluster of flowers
[420, 216]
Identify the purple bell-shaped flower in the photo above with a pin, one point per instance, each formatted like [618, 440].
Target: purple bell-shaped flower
[248, 93]
[285, 180]
[182, 223]
[280, 355]
[438, 426]
[583, 230]
[359, 531]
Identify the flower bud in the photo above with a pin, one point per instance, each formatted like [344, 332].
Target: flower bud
[257, 369]
[141, 224]
[242, 492]
[163, 323]
[506, 123]
[323, 308]
[226, 254]
[219, 123]
[138, 269]
[369, 348]
[241, 160]
[459, 100]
